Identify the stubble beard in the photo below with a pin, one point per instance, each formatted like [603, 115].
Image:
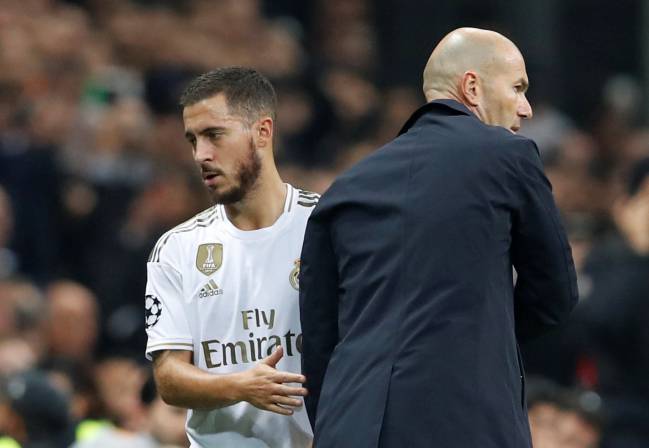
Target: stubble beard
[246, 176]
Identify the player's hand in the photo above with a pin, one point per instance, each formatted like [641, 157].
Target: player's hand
[264, 386]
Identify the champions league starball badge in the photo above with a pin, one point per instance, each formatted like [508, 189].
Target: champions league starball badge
[152, 310]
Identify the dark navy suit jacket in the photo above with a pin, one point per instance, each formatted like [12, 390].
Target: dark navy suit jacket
[409, 312]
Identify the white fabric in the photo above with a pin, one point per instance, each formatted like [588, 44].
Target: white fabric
[234, 316]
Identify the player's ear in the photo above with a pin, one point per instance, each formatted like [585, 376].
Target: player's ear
[264, 132]
[470, 88]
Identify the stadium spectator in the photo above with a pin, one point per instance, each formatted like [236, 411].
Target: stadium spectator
[119, 381]
[25, 317]
[8, 261]
[33, 412]
[166, 423]
[163, 426]
[561, 417]
[580, 421]
[72, 321]
[615, 314]
[544, 411]
[75, 381]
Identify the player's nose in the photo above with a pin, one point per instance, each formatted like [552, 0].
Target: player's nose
[203, 151]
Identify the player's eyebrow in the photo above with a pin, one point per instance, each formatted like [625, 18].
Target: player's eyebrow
[212, 129]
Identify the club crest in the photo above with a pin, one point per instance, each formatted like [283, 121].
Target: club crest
[294, 277]
[209, 258]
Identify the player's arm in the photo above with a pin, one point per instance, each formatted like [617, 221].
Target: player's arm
[182, 384]
[546, 287]
[170, 344]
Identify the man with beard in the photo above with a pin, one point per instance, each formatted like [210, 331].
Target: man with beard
[221, 300]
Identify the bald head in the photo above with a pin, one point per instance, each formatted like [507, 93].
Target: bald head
[468, 64]
[65, 295]
[462, 50]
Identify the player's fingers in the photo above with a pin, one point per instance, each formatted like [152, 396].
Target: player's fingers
[287, 401]
[288, 377]
[274, 357]
[278, 409]
[290, 391]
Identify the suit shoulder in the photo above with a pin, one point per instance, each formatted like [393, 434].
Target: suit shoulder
[200, 220]
[514, 148]
[512, 140]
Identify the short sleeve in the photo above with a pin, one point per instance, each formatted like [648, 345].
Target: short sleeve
[164, 310]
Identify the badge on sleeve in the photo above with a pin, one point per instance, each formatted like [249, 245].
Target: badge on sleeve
[152, 310]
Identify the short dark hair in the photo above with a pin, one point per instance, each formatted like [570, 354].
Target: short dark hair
[542, 391]
[247, 92]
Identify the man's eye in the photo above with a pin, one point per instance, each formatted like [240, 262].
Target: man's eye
[213, 135]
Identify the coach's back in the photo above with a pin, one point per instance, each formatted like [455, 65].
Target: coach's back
[409, 313]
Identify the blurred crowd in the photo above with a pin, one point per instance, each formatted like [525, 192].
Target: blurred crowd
[94, 168]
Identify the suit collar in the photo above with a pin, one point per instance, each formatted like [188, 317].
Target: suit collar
[442, 106]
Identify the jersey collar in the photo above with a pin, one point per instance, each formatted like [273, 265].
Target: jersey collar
[266, 231]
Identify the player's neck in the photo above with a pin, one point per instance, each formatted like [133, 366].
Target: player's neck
[262, 206]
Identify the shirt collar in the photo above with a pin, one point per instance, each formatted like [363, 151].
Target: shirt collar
[439, 105]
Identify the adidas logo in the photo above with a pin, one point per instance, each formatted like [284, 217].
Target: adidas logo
[210, 289]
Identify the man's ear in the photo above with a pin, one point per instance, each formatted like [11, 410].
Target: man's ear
[264, 133]
[470, 88]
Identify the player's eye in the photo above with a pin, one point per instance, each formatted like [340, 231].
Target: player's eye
[191, 139]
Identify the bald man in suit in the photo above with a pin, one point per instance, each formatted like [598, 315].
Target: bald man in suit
[410, 315]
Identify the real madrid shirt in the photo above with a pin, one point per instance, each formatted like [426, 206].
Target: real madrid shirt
[231, 297]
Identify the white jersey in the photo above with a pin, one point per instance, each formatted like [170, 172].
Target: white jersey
[231, 297]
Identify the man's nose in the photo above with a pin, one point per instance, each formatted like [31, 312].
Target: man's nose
[525, 109]
[203, 151]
